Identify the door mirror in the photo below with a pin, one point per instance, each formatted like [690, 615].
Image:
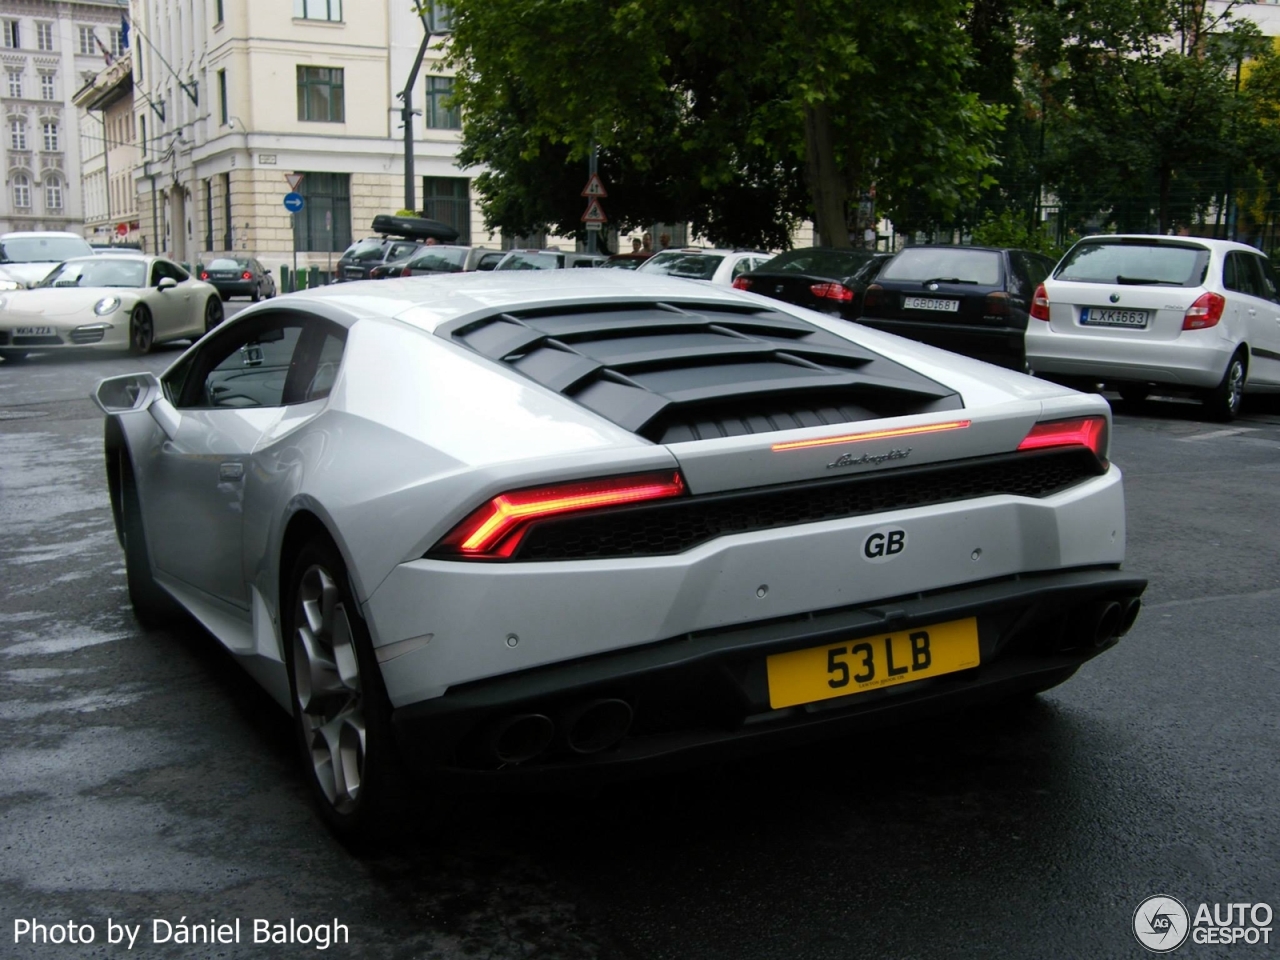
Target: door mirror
[134, 391]
[267, 272]
[166, 283]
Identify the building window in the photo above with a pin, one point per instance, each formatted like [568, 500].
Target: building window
[50, 135]
[47, 90]
[448, 200]
[22, 191]
[87, 46]
[324, 193]
[320, 94]
[18, 134]
[228, 238]
[12, 39]
[143, 129]
[117, 43]
[222, 96]
[53, 194]
[15, 83]
[44, 36]
[208, 214]
[440, 89]
[217, 18]
[317, 9]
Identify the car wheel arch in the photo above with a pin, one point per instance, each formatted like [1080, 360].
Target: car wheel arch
[304, 525]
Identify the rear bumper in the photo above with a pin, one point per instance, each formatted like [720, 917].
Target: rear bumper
[1003, 346]
[1197, 361]
[235, 288]
[706, 695]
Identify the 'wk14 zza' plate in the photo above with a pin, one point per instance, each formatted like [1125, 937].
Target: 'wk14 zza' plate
[869, 663]
[33, 332]
[1107, 317]
[930, 303]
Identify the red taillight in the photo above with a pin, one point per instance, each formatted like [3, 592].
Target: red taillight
[872, 296]
[742, 283]
[1040, 305]
[495, 530]
[1205, 312]
[996, 304]
[406, 272]
[204, 275]
[831, 291]
[1088, 432]
[246, 275]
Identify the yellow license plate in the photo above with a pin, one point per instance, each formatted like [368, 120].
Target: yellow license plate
[869, 663]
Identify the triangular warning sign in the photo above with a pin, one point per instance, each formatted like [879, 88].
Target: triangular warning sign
[294, 180]
[594, 187]
[595, 212]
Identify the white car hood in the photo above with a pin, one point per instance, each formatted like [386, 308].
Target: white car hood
[25, 273]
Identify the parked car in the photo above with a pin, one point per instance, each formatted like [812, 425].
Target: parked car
[820, 278]
[27, 258]
[1179, 314]
[107, 303]
[626, 261]
[547, 260]
[569, 524]
[715, 266]
[400, 238]
[239, 277]
[970, 300]
[442, 258]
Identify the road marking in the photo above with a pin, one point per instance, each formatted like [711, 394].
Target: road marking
[1215, 434]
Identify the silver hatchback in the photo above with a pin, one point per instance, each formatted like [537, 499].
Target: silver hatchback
[1179, 313]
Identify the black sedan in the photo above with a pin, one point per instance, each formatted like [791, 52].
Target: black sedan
[820, 278]
[239, 277]
[970, 300]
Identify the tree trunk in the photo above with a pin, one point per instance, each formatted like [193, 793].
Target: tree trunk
[1162, 211]
[826, 185]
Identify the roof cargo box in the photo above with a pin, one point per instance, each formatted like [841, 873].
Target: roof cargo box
[417, 228]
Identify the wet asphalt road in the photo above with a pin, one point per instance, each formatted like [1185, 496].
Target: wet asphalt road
[143, 777]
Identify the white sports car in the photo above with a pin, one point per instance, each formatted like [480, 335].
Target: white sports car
[551, 523]
[107, 303]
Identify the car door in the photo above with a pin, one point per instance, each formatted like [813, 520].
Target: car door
[170, 308]
[228, 394]
[1264, 335]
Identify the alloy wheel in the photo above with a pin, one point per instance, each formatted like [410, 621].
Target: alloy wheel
[142, 332]
[1235, 385]
[212, 314]
[330, 703]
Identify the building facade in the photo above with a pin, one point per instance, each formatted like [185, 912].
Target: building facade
[48, 50]
[110, 152]
[231, 96]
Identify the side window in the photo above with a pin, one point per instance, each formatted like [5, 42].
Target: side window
[163, 268]
[1264, 282]
[742, 266]
[399, 250]
[1235, 273]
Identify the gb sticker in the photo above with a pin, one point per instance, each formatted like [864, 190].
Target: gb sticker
[884, 545]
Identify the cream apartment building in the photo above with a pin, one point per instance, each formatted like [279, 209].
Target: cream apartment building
[48, 50]
[110, 152]
[232, 95]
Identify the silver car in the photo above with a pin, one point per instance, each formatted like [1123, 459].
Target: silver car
[565, 523]
[720, 267]
[1153, 312]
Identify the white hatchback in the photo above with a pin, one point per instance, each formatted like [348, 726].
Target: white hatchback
[720, 267]
[1182, 313]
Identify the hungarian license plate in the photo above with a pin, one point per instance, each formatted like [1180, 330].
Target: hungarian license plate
[929, 303]
[33, 332]
[1109, 317]
[869, 663]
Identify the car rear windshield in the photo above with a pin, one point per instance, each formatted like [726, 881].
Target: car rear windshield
[441, 260]
[370, 249]
[1129, 262]
[98, 272]
[530, 261]
[818, 263]
[693, 266]
[43, 249]
[225, 264]
[944, 263]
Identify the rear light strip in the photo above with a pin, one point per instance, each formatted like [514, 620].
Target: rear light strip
[831, 291]
[495, 530]
[872, 435]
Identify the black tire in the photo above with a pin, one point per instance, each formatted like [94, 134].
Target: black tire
[1223, 401]
[142, 331]
[13, 356]
[224, 297]
[319, 710]
[257, 294]
[152, 606]
[213, 313]
[1134, 392]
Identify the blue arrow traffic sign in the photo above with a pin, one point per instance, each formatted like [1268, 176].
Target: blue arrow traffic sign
[293, 202]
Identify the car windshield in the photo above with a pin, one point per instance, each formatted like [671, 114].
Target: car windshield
[441, 260]
[1128, 262]
[42, 249]
[225, 264]
[98, 272]
[944, 263]
[530, 261]
[693, 266]
[818, 263]
[370, 249]
[623, 262]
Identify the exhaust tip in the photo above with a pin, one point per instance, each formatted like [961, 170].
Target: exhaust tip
[597, 725]
[1108, 624]
[521, 737]
[1131, 611]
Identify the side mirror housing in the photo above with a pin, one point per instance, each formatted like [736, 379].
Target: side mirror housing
[166, 283]
[133, 391]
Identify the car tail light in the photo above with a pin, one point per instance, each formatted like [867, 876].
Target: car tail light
[1040, 304]
[873, 296]
[496, 529]
[246, 275]
[1205, 312]
[204, 275]
[742, 283]
[407, 272]
[1088, 432]
[831, 291]
[996, 304]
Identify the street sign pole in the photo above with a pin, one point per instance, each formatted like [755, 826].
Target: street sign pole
[294, 202]
[295, 250]
[592, 235]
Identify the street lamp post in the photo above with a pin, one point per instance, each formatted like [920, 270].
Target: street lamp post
[435, 22]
